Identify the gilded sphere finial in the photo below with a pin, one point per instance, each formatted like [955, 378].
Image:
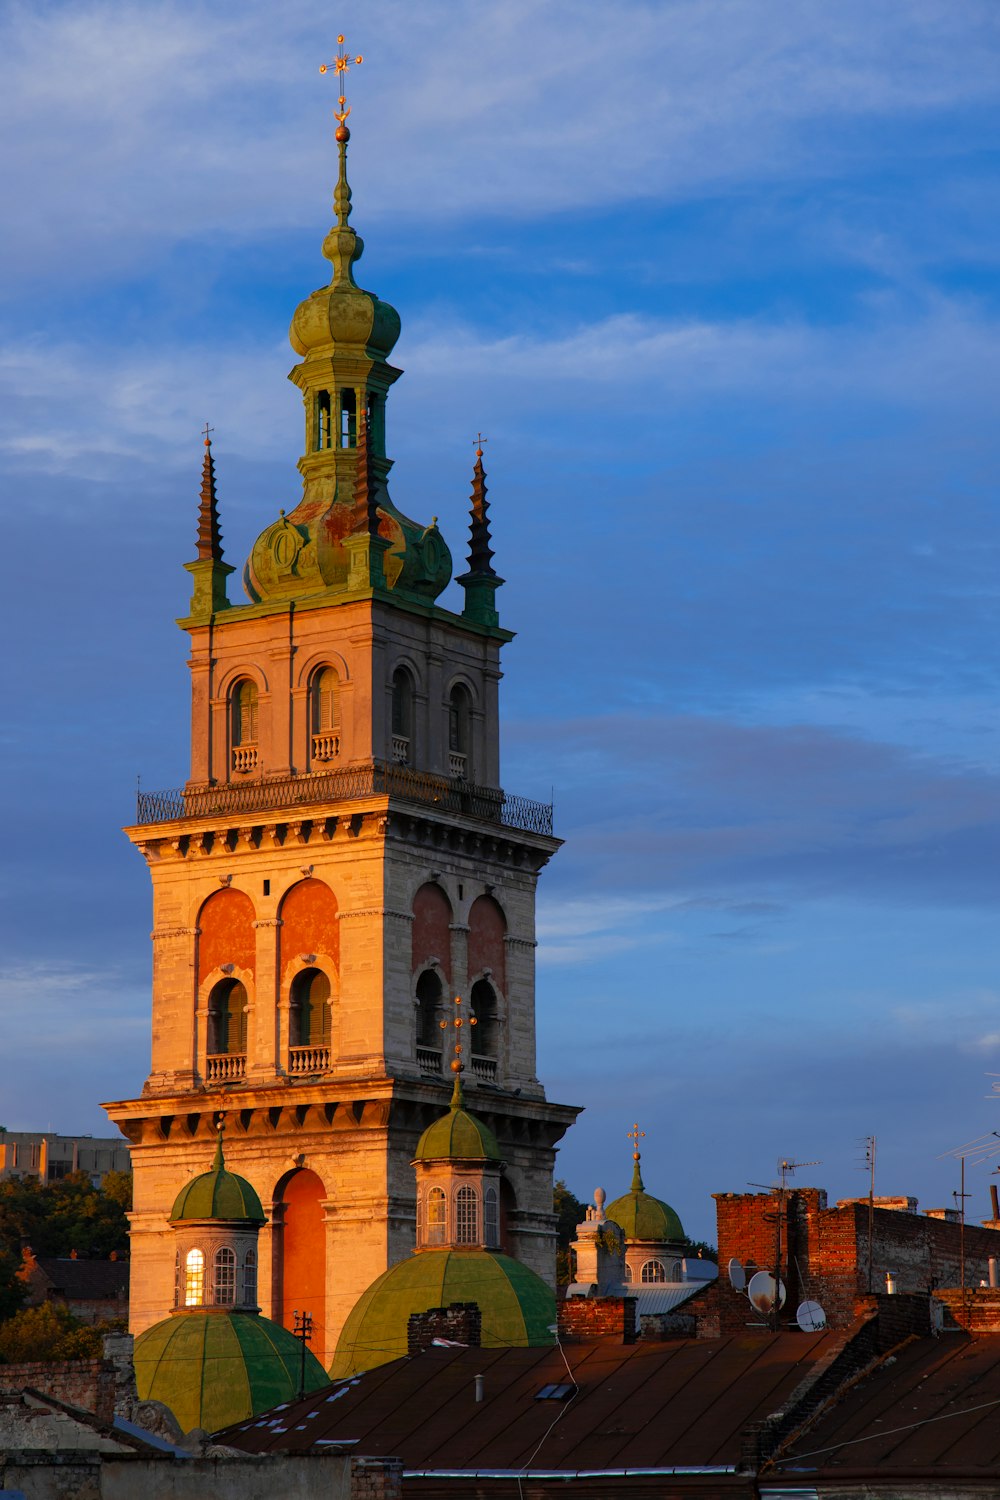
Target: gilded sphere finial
[342, 133]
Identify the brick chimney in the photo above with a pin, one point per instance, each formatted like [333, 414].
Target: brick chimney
[460, 1323]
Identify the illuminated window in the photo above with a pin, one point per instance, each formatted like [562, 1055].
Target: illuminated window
[250, 1279]
[654, 1270]
[436, 1204]
[491, 1217]
[194, 1279]
[467, 1216]
[225, 1277]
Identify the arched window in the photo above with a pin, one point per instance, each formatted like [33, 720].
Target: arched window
[436, 1216]
[225, 1277]
[485, 1038]
[250, 1279]
[402, 717]
[653, 1270]
[429, 1011]
[310, 1009]
[227, 1019]
[244, 725]
[459, 730]
[628, 1271]
[194, 1279]
[491, 1218]
[325, 715]
[467, 1216]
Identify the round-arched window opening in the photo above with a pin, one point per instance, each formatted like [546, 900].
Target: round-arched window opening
[325, 715]
[402, 717]
[483, 1004]
[491, 1218]
[225, 1277]
[250, 1279]
[429, 996]
[459, 731]
[467, 1216]
[310, 1009]
[436, 1216]
[653, 1270]
[194, 1279]
[227, 1019]
[243, 726]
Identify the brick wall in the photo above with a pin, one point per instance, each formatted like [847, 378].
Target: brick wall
[89, 1383]
[976, 1308]
[376, 1479]
[824, 1252]
[582, 1318]
[460, 1323]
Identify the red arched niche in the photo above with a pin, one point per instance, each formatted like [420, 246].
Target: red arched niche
[431, 924]
[303, 1255]
[227, 936]
[309, 922]
[487, 949]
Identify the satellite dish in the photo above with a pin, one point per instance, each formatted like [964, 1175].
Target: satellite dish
[737, 1275]
[760, 1290]
[810, 1317]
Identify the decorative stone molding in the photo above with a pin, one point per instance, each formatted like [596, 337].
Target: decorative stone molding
[376, 911]
[517, 942]
[160, 934]
[268, 922]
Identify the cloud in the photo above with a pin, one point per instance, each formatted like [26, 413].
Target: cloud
[514, 110]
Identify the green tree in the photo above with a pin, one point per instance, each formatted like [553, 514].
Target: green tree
[571, 1212]
[46, 1334]
[64, 1216]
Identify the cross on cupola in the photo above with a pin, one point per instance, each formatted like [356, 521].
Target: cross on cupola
[635, 1135]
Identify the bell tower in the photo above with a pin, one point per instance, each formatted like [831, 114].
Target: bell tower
[341, 862]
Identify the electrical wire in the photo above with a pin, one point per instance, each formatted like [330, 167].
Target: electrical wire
[889, 1432]
[563, 1408]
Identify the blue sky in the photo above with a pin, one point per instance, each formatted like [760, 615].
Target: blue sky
[719, 281]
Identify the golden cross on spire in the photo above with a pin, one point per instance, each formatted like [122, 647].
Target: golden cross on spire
[340, 65]
[457, 1021]
[636, 1135]
[479, 440]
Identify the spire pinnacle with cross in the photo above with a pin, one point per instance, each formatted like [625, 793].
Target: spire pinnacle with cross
[457, 1065]
[635, 1135]
[340, 65]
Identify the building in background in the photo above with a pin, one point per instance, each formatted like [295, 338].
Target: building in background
[43, 1154]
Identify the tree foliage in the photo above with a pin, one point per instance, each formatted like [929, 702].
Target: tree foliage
[64, 1216]
[46, 1334]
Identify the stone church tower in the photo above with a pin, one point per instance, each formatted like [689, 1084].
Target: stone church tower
[341, 863]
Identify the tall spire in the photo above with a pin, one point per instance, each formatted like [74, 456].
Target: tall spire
[208, 571]
[342, 246]
[209, 535]
[481, 581]
[635, 1135]
[480, 551]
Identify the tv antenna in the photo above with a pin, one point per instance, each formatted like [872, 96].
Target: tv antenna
[786, 1168]
[984, 1148]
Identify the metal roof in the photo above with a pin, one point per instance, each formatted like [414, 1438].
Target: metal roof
[682, 1403]
[932, 1408]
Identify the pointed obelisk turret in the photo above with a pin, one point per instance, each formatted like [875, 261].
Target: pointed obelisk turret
[365, 547]
[209, 572]
[481, 581]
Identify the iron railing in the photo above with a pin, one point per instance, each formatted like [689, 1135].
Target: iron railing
[347, 784]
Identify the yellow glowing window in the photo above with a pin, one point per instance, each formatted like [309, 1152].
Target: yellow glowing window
[436, 1216]
[194, 1279]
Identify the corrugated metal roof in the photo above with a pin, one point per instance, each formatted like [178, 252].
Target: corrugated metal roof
[647, 1405]
[932, 1408]
[662, 1298]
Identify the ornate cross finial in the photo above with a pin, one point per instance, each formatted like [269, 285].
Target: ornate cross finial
[206, 430]
[635, 1135]
[478, 442]
[340, 65]
[458, 1021]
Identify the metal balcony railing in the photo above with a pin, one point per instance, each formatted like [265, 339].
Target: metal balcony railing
[290, 794]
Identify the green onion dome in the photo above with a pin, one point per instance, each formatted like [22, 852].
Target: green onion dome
[517, 1307]
[458, 1135]
[215, 1368]
[640, 1216]
[218, 1194]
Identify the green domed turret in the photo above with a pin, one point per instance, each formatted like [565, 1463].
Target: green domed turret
[518, 1309]
[214, 1368]
[457, 1135]
[640, 1216]
[218, 1194]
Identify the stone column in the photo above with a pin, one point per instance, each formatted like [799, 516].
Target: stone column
[263, 1040]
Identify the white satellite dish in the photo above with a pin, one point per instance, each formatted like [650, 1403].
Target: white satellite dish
[737, 1275]
[810, 1317]
[760, 1290]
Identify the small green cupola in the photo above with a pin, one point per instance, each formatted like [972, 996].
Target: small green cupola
[458, 1135]
[654, 1235]
[218, 1195]
[344, 335]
